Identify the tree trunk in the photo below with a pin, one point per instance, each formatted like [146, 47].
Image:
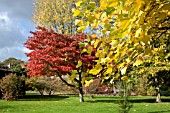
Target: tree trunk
[80, 90]
[81, 97]
[158, 95]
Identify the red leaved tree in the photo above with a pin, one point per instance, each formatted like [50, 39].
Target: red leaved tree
[61, 55]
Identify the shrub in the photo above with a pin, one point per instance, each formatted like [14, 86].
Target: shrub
[12, 86]
[36, 84]
[54, 85]
[46, 85]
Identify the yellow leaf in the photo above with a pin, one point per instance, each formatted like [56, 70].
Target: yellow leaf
[138, 62]
[145, 39]
[104, 60]
[96, 69]
[141, 71]
[107, 26]
[123, 71]
[84, 50]
[76, 13]
[94, 35]
[103, 4]
[124, 24]
[138, 32]
[90, 18]
[119, 9]
[125, 33]
[89, 50]
[73, 10]
[81, 29]
[114, 42]
[103, 16]
[123, 52]
[129, 51]
[83, 80]
[73, 75]
[139, 3]
[148, 51]
[96, 15]
[87, 83]
[109, 70]
[94, 25]
[78, 3]
[96, 43]
[93, 71]
[79, 64]
[128, 60]
[99, 53]
[121, 65]
[124, 78]
[117, 75]
[140, 48]
[78, 22]
[113, 3]
[165, 7]
[91, 5]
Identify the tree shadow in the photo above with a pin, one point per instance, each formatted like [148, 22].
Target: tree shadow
[103, 101]
[43, 98]
[2, 107]
[148, 100]
[167, 111]
[132, 100]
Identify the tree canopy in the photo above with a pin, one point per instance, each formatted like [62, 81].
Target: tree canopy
[127, 31]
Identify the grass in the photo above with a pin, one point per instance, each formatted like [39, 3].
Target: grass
[70, 104]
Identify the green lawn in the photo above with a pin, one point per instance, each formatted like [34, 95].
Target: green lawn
[70, 104]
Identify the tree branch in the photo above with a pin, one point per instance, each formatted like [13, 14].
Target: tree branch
[71, 85]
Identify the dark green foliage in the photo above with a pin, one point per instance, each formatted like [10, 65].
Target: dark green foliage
[13, 64]
[160, 79]
[12, 86]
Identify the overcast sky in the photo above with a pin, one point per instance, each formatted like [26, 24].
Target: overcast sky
[15, 25]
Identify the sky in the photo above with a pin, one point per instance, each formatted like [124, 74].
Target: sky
[15, 25]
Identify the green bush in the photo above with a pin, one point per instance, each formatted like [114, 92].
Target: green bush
[46, 85]
[36, 84]
[54, 85]
[12, 86]
[165, 92]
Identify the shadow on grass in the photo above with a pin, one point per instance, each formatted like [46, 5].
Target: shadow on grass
[133, 100]
[167, 111]
[5, 107]
[153, 100]
[43, 98]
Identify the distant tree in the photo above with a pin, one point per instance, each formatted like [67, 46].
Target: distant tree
[158, 77]
[13, 64]
[55, 14]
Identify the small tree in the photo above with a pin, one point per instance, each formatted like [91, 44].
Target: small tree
[67, 57]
